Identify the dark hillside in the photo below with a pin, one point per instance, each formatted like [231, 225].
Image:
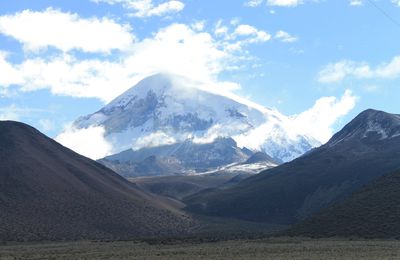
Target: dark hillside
[373, 212]
[48, 192]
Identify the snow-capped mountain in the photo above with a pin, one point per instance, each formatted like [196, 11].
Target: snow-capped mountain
[164, 109]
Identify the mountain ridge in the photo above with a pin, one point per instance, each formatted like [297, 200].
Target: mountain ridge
[186, 158]
[370, 121]
[300, 188]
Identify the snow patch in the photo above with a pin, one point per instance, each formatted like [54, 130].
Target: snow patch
[375, 127]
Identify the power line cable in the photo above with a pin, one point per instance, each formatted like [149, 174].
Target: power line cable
[384, 13]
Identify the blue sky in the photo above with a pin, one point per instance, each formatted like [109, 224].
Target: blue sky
[63, 59]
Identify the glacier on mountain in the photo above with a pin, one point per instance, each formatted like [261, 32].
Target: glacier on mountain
[164, 109]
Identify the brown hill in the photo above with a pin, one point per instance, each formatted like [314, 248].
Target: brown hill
[48, 192]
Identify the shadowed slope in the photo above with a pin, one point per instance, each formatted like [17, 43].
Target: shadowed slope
[48, 192]
[373, 212]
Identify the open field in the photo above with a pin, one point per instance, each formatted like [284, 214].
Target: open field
[275, 248]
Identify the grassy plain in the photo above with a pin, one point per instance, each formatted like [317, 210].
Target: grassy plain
[271, 248]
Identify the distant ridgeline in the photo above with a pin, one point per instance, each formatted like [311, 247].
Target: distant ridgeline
[366, 148]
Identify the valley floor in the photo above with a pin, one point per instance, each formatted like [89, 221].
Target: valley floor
[276, 248]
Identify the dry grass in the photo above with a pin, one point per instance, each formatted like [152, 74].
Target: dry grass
[239, 249]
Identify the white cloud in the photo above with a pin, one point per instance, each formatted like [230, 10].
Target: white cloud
[257, 137]
[356, 2]
[253, 3]
[285, 37]
[213, 133]
[284, 3]
[245, 29]
[146, 8]
[89, 142]
[154, 139]
[315, 123]
[66, 75]
[176, 49]
[336, 72]
[180, 49]
[319, 120]
[254, 35]
[396, 2]
[65, 31]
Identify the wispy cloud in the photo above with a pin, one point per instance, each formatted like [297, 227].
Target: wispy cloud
[18, 113]
[11, 112]
[396, 2]
[254, 35]
[235, 37]
[356, 2]
[46, 125]
[362, 2]
[284, 3]
[281, 3]
[253, 3]
[285, 37]
[336, 72]
[146, 8]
